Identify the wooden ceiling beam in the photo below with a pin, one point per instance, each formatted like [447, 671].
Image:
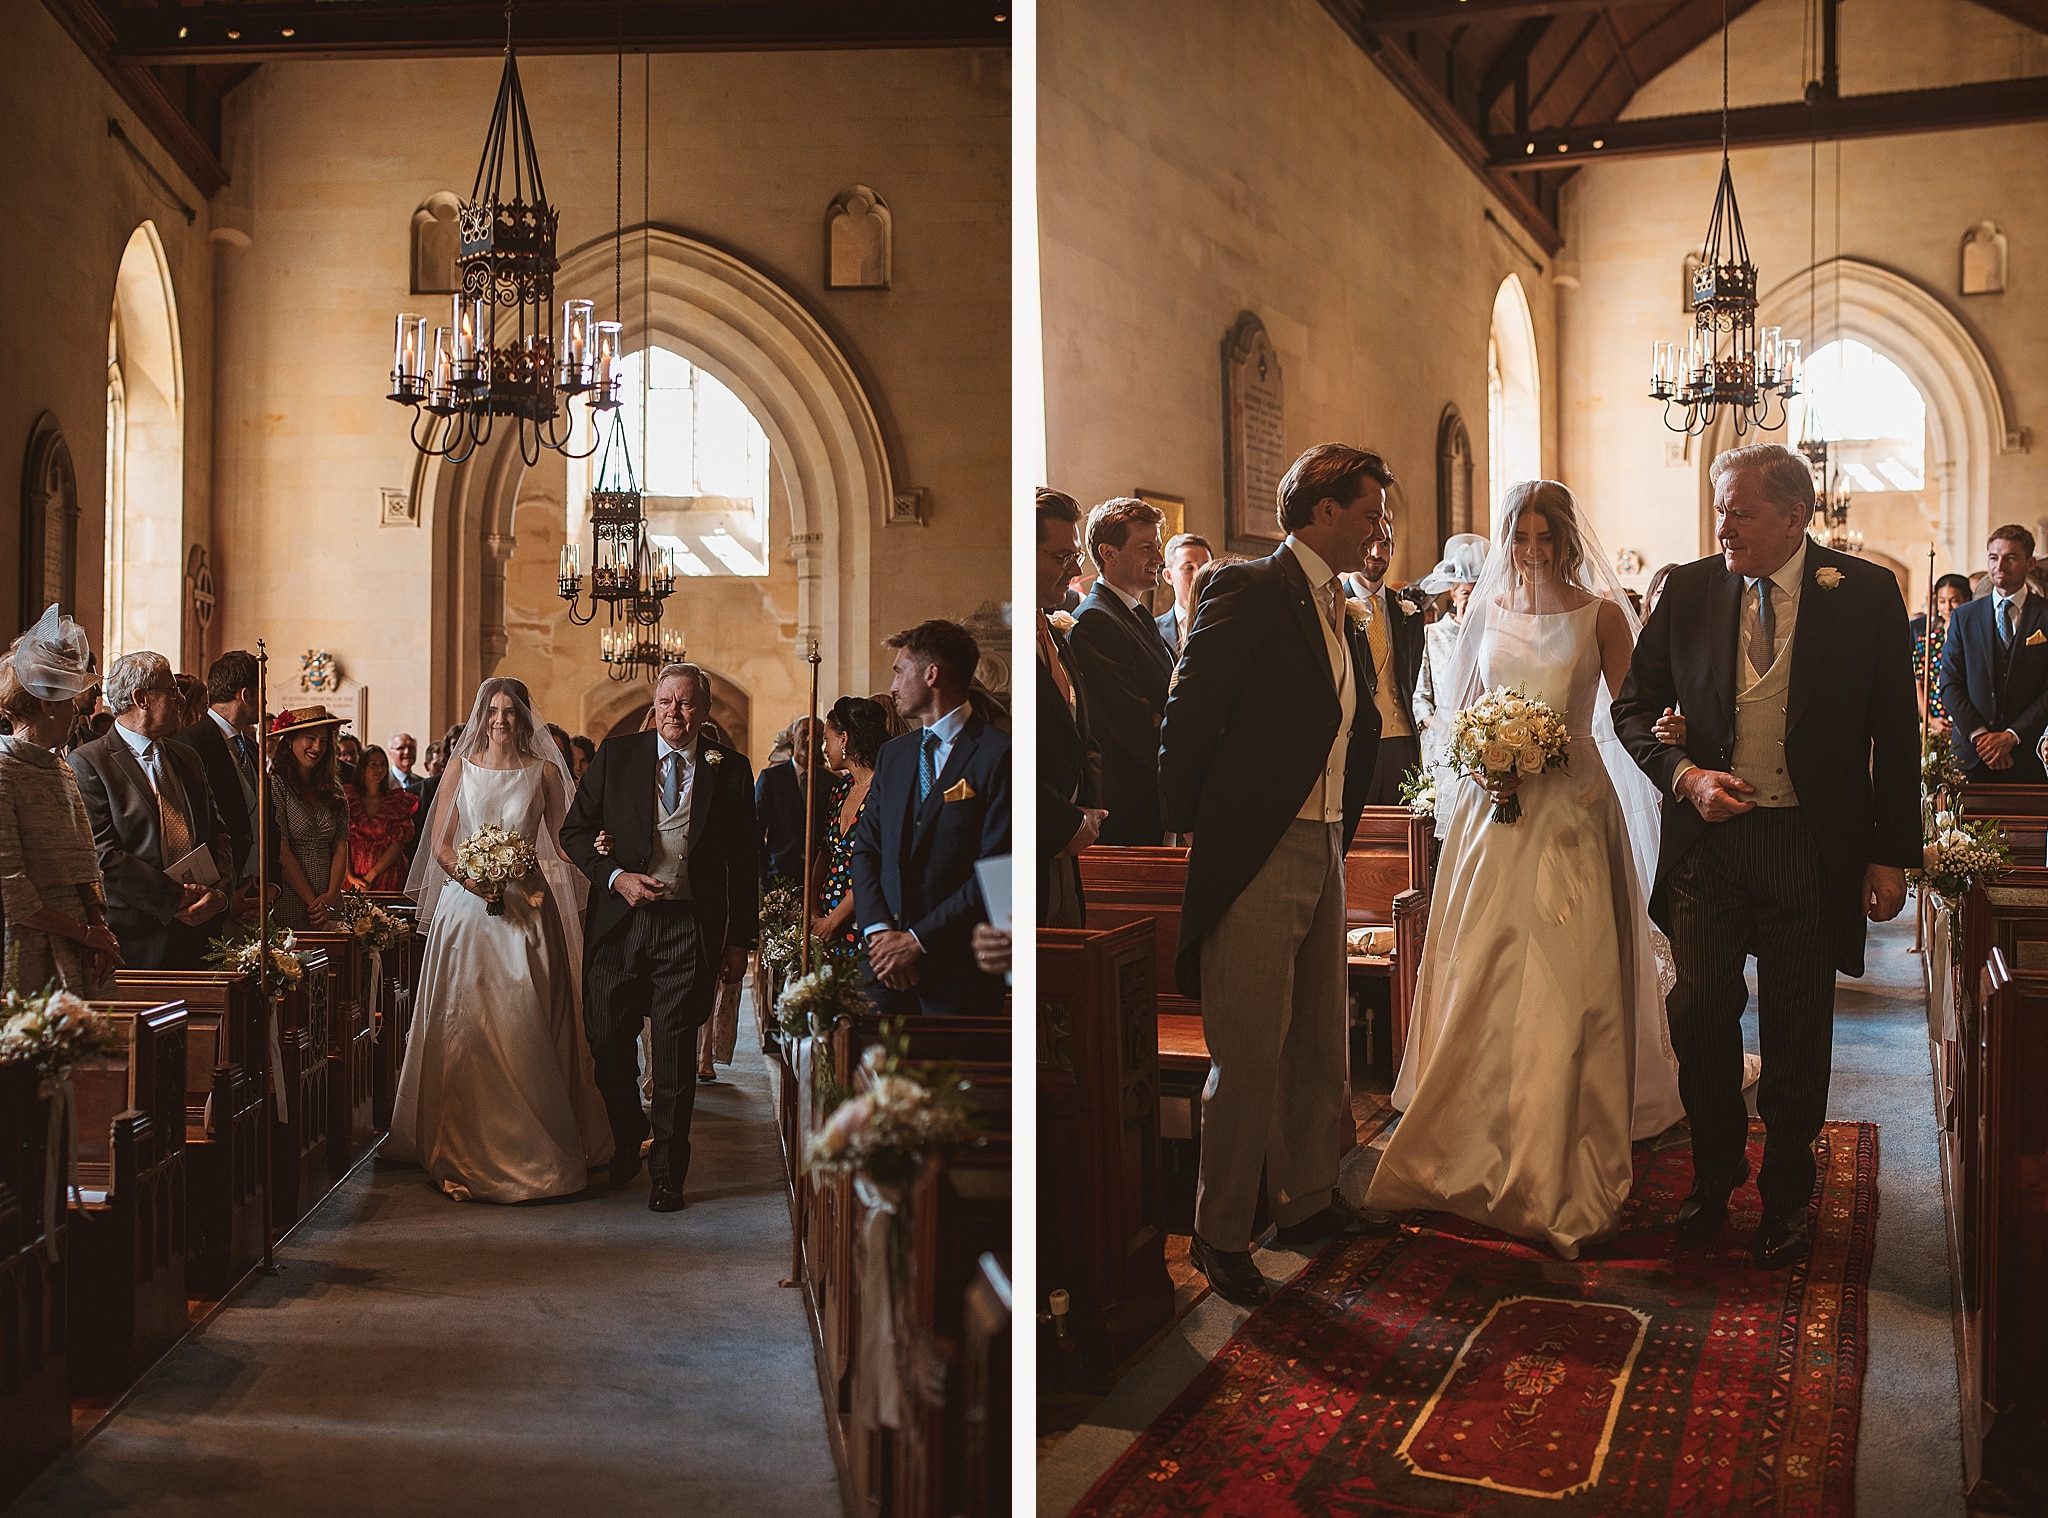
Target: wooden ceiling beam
[144, 93]
[1421, 15]
[2028, 13]
[1893, 114]
[456, 28]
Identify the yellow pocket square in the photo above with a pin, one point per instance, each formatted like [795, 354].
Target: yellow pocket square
[960, 790]
[2036, 637]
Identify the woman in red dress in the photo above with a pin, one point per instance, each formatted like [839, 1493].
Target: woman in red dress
[380, 825]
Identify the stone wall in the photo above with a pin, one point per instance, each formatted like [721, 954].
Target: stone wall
[75, 195]
[1906, 203]
[1200, 159]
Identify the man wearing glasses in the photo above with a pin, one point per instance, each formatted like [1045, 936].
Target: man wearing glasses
[159, 837]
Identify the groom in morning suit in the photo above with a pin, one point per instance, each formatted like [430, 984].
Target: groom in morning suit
[1994, 670]
[1266, 751]
[1791, 814]
[674, 908]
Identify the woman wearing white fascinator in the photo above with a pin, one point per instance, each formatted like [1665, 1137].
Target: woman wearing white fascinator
[1463, 562]
[50, 883]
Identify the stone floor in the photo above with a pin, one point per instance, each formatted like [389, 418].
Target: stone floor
[421, 1356]
[1909, 1460]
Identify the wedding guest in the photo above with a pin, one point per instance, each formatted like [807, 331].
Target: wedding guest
[1069, 769]
[403, 751]
[581, 752]
[311, 814]
[1950, 591]
[1268, 743]
[224, 738]
[430, 765]
[348, 750]
[1393, 640]
[779, 804]
[51, 892]
[1186, 553]
[382, 820]
[1994, 670]
[448, 743]
[192, 691]
[939, 802]
[151, 809]
[1456, 573]
[1656, 589]
[1124, 666]
[854, 734]
[991, 949]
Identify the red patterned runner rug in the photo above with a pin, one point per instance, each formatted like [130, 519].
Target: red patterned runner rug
[1452, 1370]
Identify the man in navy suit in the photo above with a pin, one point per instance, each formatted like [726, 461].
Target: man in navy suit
[779, 802]
[940, 800]
[1124, 665]
[1994, 670]
[1186, 553]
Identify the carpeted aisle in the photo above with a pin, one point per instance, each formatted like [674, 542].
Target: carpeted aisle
[1906, 1463]
[421, 1356]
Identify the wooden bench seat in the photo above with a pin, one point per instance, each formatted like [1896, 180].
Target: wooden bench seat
[351, 1050]
[226, 1117]
[35, 1404]
[126, 1240]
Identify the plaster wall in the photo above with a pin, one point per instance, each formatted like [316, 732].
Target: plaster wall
[1198, 159]
[330, 160]
[75, 194]
[1905, 204]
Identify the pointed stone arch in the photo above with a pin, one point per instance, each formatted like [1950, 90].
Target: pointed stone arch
[145, 534]
[824, 433]
[1970, 420]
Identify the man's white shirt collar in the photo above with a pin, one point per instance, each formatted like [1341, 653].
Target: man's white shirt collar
[663, 748]
[134, 740]
[1788, 574]
[223, 724]
[1312, 563]
[1131, 601]
[2017, 597]
[948, 727]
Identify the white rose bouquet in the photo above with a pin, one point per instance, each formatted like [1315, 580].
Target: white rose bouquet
[1418, 791]
[244, 956]
[53, 1032]
[493, 858]
[376, 928]
[1504, 734]
[886, 1131]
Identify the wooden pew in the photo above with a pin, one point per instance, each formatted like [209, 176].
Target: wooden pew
[351, 1049]
[985, 1378]
[298, 1133]
[403, 971]
[35, 1406]
[1994, 1150]
[226, 1117]
[1099, 1148]
[126, 1239]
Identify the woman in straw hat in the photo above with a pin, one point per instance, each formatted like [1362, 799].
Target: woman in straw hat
[1458, 571]
[50, 884]
[311, 815]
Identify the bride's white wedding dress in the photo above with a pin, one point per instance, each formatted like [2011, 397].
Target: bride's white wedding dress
[496, 1098]
[1539, 1045]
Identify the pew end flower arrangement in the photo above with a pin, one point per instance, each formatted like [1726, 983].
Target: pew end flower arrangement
[375, 928]
[1508, 734]
[907, 1113]
[1418, 792]
[1940, 776]
[244, 956]
[1958, 856]
[493, 859]
[53, 1031]
[810, 1004]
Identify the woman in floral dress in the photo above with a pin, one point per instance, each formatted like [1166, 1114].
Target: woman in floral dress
[855, 730]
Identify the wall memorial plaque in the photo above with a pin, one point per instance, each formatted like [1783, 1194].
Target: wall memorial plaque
[1254, 436]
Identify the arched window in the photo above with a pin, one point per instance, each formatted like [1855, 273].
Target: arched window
[1514, 405]
[1871, 413]
[702, 461]
[49, 522]
[145, 555]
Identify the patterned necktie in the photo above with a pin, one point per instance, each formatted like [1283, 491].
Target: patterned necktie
[2005, 621]
[1377, 638]
[1333, 607]
[927, 766]
[1763, 633]
[1050, 649]
[672, 782]
[177, 832]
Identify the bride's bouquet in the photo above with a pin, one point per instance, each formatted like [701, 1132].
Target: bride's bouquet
[1506, 733]
[491, 859]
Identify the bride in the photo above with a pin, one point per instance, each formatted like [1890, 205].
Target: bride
[496, 1098]
[1539, 1047]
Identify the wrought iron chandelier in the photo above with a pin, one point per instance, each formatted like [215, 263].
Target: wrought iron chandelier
[629, 576]
[499, 356]
[1831, 497]
[1725, 364]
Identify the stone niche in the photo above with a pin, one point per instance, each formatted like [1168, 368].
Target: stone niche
[859, 241]
[435, 242]
[1983, 260]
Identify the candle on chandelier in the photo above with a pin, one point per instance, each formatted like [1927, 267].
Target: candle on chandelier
[1792, 366]
[576, 319]
[1662, 360]
[610, 375]
[408, 353]
[443, 390]
[1768, 371]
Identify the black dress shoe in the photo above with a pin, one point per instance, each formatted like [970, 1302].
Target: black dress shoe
[1781, 1241]
[1701, 1216]
[1339, 1220]
[625, 1165]
[1231, 1272]
[665, 1197]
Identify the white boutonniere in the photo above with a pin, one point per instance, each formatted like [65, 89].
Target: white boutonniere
[1357, 611]
[1062, 621]
[714, 756]
[1827, 578]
